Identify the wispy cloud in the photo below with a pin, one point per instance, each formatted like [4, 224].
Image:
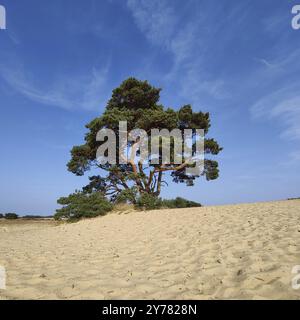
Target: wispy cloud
[276, 22]
[156, 19]
[282, 106]
[185, 40]
[79, 91]
[295, 156]
[266, 63]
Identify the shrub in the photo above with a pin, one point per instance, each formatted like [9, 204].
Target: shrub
[123, 207]
[11, 216]
[82, 205]
[1, 216]
[127, 196]
[180, 203]
[148, 202]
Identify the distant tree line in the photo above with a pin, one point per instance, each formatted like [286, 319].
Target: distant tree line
[36, 217]
[8, 216]
[11, 216]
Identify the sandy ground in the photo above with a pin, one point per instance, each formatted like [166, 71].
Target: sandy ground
[242, 251]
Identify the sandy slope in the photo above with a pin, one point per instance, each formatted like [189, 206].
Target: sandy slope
[239, 251]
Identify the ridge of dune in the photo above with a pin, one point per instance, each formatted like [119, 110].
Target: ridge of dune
[242, 251]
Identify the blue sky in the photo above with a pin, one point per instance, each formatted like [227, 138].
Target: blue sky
[239, 60]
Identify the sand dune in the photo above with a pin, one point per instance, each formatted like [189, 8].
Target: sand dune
[242, 251]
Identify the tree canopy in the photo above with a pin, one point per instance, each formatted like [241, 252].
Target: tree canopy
[137, 102]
